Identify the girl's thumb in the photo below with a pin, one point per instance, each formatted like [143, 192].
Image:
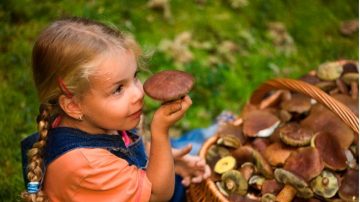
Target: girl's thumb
[183, 151]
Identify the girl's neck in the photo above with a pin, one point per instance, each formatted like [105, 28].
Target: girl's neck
[84, 126]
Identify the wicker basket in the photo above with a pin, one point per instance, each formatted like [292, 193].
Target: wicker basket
[207, 190]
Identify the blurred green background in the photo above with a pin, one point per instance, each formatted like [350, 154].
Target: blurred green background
[230, 46]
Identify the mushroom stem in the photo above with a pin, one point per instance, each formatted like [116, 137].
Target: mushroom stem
[354, 90]
[286, 194]
[247, 171]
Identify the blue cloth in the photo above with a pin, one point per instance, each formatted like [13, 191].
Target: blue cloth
[197, 137]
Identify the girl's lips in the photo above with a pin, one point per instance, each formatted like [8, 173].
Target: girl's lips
[136, 114]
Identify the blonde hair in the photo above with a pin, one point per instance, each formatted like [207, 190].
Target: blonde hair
[66, 50]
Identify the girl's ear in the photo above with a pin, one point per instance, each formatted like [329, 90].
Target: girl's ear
[70, 106]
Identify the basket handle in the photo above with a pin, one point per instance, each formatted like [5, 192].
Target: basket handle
[320, 96]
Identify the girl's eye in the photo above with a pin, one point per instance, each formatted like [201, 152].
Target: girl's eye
[118, 89]
[136, 74]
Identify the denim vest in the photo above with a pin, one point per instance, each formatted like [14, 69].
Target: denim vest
[61, 140]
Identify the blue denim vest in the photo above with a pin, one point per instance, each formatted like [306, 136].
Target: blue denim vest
[61, 140]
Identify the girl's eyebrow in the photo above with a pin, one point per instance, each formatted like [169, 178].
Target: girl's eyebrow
[123, 80]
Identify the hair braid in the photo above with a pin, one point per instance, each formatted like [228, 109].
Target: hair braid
[35, 154]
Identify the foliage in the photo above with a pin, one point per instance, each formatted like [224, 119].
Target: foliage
[225, 77]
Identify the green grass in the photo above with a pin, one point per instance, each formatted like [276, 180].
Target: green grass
[313, 25]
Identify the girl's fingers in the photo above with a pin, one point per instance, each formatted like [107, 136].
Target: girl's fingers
[183, 151]
[186, 181]
[197, 179]
[201, 163]
[207, 172]
[172, 107]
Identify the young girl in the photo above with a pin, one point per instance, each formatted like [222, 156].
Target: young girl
[85, 150]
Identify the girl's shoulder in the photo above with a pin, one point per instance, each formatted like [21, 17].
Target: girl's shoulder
[82, 171]
[87, 158]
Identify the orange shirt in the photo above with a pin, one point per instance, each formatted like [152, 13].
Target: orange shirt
[95, 174]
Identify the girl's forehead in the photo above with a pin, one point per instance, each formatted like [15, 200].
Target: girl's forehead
[116, 65]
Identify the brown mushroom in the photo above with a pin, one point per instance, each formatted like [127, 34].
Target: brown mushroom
[305, 162]
[353, 104]
[350, 66]
[228, 129]
[229, 141]
[257, 181]
[248, 154]
[349, 188]
[271, 186]
[298, 103]
[352, 79]
[277, 153]
[169, 85]
[294, 185]
[214, 153]
[260, 123]
[342, 86]
[271, 100]
[268, 197]
[260, 144]
[294, 135]
[310, 78]
[322, 119]
[247, 169]
[326, 86]
[330, 151]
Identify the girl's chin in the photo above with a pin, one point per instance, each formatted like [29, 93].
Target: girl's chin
[131, 125]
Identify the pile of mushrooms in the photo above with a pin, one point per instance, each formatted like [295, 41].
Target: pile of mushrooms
[289, 147]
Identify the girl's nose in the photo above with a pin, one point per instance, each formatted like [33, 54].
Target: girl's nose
[138, 92]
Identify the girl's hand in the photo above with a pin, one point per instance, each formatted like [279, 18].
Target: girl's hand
[193, 169]
[169, 113]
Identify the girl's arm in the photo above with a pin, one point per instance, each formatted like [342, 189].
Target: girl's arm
[160, 170]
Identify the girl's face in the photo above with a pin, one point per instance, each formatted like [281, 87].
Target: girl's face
[115, 98]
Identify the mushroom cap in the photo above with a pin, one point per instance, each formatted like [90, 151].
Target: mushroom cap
[214, 153]
[353, 104]
[260, 144]
[271, 100]
[227, 128]
[326, 85]
[271, 186]
[322, 119]
[325, 184]
[329, 71]
[225, 164]
[350, 77]
[259, 123]
[268, 197]
[298, 103]
[229, 140]
[310, 78]
[294, 135]
[349, 189]
[277, 153]
[248, 154]
[256, 181]
[305, 162]
[286, 177]
[330, 151]
[169, 85]
[350, 66]
[233, 182]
